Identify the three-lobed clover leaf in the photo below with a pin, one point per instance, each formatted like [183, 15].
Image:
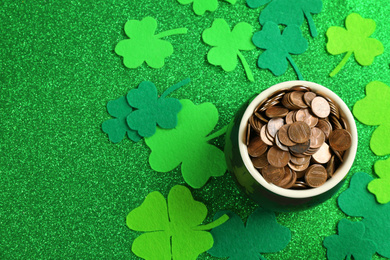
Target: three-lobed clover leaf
[173, 231]
[374, 109]
[201, 6]
[151, 109]
[357, 201]
[288, 12]
[279, 47]
[144, 45]
[227, 45]
[117, 128]
[349, 242]
[187, 144]
[262, 234]
[354, 39]
[381, 187]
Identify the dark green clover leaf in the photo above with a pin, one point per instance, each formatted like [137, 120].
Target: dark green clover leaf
[173, 231]
[227, 45]
[357, 201]
[201, 6]
[117, 128]
[152, 109]
[144, 45]
[279, 47]
[288, 12]
[349, 242]
[262, 234]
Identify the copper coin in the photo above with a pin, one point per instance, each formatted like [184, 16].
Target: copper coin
[273, 125]
[289, 117]
[259, 116]
[311, 121]
[330, 167]
[260, 162]
[325, 126]
[300, 88]
[276, 112]
[283, 136]
[286, 178]
[279, 144]
[320, 107]
[300, 160]
[264, 137]
[292, 180]
[277, 157]
[344, 123]
[299, 132]
[300, 174]
[323, 155]
[340, 140]
[257, 147]
[317, 138]
[255, 123]
[299, 168]
[272, 174]
[297, 99]
[316, 175]
[299, 185]
[308, 97]
[335, 123]
[339, 154]
[302, 114]
[248, 134]
[300, 148]
[272, 139]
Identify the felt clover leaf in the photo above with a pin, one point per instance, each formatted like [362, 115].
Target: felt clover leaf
[278, 47]
[262, 234]
[227, 45]
[153, 110]
[374, 109]
[350, 241]
[173, 231]
[144, 45]
[354, 39]
[187, 144]
[357, 201]
[288, 12]
[381, 187]
[201, 6]
[117, 128]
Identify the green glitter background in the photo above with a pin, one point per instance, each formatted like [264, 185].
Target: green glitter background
[66, 190]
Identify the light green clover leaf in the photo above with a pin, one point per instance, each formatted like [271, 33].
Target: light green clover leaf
[381, 187]
[151, 109]
[187, 144]
[354, 39]
[201, 6]
[117, 128]
[374, 109]
[174, 231]
[262, 234]
[227, 45]
[279, 47]
[144, 45]
[349, 242]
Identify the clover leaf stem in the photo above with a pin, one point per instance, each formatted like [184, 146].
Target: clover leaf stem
[171, 32]
[341, 64]
[216, 134]
[246, 66]
[175, 87]
[213, 224]
[295, 67]
[312, 26]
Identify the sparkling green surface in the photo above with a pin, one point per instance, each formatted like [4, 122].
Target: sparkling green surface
[66, 190]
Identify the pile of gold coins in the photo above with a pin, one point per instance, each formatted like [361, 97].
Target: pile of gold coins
[297, 138]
